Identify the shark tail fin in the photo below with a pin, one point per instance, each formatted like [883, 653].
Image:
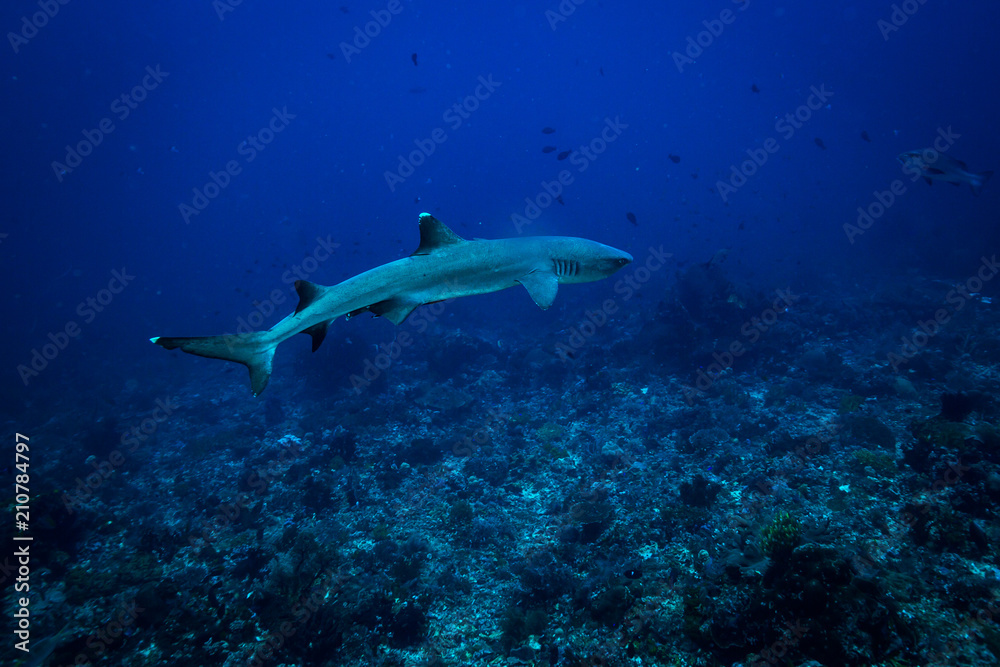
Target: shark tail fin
[250, 349]
[980, 181]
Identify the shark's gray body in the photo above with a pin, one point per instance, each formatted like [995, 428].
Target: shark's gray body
[445, 266]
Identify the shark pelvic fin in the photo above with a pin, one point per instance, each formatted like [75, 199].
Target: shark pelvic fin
[434, 234]
[308, 293]
[318, 333]
[394, 310]
[542, 286]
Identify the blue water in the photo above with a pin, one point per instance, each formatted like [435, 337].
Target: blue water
[115, 228]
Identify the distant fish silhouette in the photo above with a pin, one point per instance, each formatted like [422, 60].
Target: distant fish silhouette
[547, 130]
[414, 59]
[416, 90]
[754, 88]
[864, 135]
[549, 149]
[631, 218]
[674, 158]
[601, 70]
[819, 142]
[563, 155]
[934, 166]
[718, 258]
[331, 56]
[560, 200]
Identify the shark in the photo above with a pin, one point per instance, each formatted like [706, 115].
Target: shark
[444, 266]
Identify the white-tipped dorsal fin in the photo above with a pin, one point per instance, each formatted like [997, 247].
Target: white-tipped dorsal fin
[434, 234]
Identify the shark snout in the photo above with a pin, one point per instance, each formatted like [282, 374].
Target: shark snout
[618, 260]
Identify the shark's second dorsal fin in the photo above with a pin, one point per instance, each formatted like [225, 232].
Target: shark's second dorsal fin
[434, 234]
[308, 292]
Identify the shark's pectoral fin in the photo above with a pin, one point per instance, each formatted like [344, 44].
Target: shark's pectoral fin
[542, 286]
[318, 333]
[394, 310]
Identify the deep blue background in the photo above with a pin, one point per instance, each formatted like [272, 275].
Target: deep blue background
[324, 174]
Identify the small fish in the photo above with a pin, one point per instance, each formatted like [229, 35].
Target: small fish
[564, 155]
[934, 166]
[674, 158]
[549, 149]
[547, 130]
[414, 59]
[819, 142]
[718, 258]
[601, 70]
[754, 88]
[864, 135]
[560, 200]
[742, 226]
[331, 56]
[417, 90]
[344, 10]
[631, 218]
